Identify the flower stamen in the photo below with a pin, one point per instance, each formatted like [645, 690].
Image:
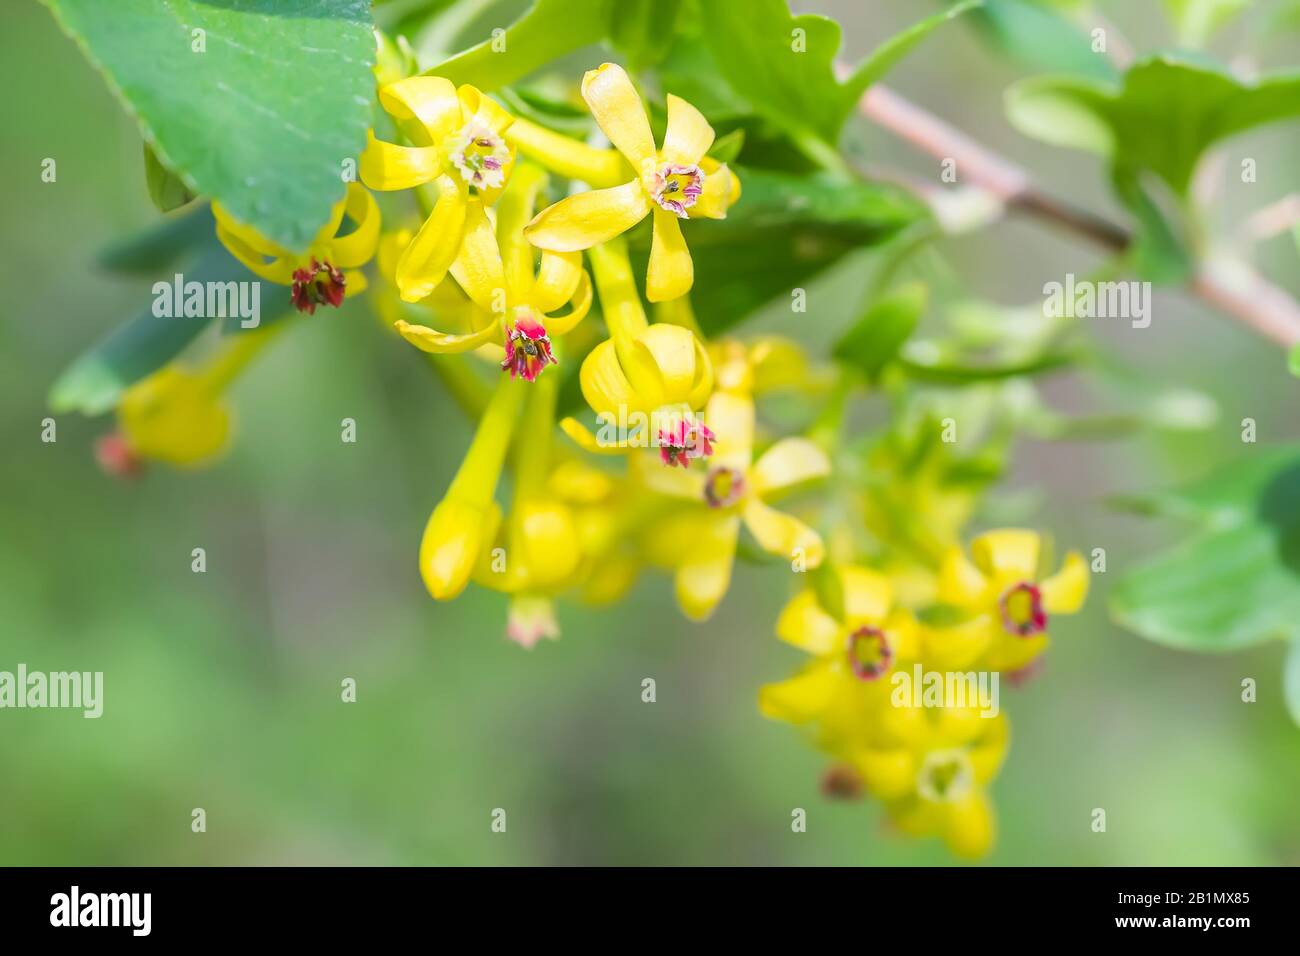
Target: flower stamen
[318, 284]
[724, 487]
[480, 156]
[677, 187]
[528, 349]
[684, 441]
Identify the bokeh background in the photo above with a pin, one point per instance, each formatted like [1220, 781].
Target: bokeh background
[222, 689]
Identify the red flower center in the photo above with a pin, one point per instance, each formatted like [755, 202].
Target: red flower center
[1022, 610]
[684, 440]
[528, 349]
[724, 487]
[318, 284]
[869, 653]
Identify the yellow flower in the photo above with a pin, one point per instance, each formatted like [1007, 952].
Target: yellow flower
[459, 147]
[177, 415]
[857, 643]
[642, 377]
[466, 519]
[932, 771]
[1005, 601]
[699, 539]
[508, 300]
[675, 182]
[329, 270]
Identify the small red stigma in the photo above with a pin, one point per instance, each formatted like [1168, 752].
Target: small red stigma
[1022, 610]
[865, 669]
[684, 441]
[528, 350]
[724, 487]
[318, 284]
[116, 458]
[841, 781]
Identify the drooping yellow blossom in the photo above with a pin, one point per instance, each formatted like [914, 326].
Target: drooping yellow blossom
[459, 146]
[1005, 601]
[931, 767]
[329, 270]
[466, 519]
[508, 298]
[857, 642]
[177, 414]
[675, 182]
[699, 540]
[643, 380]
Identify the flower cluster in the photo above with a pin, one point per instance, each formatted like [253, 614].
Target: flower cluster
[522, 232]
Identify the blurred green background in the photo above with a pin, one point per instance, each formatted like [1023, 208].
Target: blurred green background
[222, 689]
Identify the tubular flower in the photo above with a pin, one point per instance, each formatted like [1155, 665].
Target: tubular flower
[177, 415]
[645, 381]
[699, 541]
[1006, 603]
[329, 270]
[932, 770]
[509, 301]
[675, 182]
[467, 517]
[459, 146]
[856, 643]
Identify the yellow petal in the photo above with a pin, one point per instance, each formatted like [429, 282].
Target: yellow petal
[514, 210]
[603, 383]
[960, 582]
[969, 827]
[1011, 652]
[548, 539]
[689, 134]
[787, 464]
[618, 111]
[562, 324]
[804, 624]
[174, 417]
[425, 262]
[989, 750]
[731, 418]
[1008, 552]
[388, 166]
[585, 219]
[431, 340]
[868, 596]
[703, 577]
[779, 533]
[585, 440]
[358, 246]
[278, 270]
[1064, 592]
[558, 276]
[477, 267]
[887, 774]
[671, 272]
[477, 106]
[957, 647]
[721, 190]
[430, 101]
[702, 387]
[800, 699]
[672, 349]
[453, 539]
[249, 237]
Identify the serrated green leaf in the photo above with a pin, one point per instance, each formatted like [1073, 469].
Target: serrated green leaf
[165, 187]
[255, 103]
[548, 30]
[874, 340]
[1235, 581]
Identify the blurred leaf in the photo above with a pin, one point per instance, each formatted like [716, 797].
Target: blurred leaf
[1236, 580]
[874, 340]
[1041, 37]
[154, 249]
[547, 31]
[234, 98]
[1291, 679]
[1293, 361]
[1198, 20]
[726, 148]
[784, 230]
[784, 65]
[93, 382]
[923, 364]
[642, 30]
[165, 187]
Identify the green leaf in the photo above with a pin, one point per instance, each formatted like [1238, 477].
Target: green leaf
[1235, 581]
[1198, 20]
[1042, 38]
[165, 187]
[92, 383]
[643, 30]
[547, 31]
[154, 249]
[258, 110]
[1291, 679]
[1160, 120]
[874, 340]
[1293, 361]
[784, 65]
[784, 231]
